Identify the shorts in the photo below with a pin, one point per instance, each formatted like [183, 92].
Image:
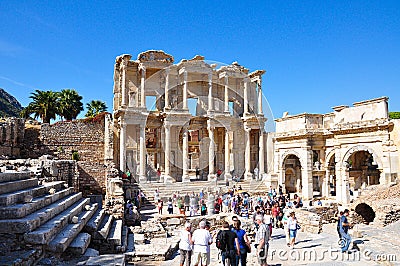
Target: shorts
[201, 258]
[292, 233]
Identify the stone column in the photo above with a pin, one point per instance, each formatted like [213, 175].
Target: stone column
[122, 147]
[345, 187]
[185, 90]
[210, 98]
[167, 152]
[245, 96]
[260, 95]
[261, 162]
[142, 88]
[306, 175]
[142, 154]
[185, 153]
[123, 85]
[247, 174]
[211, 153]
[226, 99]
[227, 155]
[166, 93]
[325, 184]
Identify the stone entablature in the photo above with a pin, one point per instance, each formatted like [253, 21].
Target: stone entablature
[228, 101]
[345, 150]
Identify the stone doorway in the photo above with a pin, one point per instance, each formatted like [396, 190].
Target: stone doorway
[292, 174]
[363, 171]
[332, 176]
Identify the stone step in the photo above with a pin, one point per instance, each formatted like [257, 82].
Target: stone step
[36, 219]
[19, 196]
[46, 232]
[104, 228]
[14, 176]
[115, 235]
[21, 257]
[124, 239]
[61, 242]
[11, 186]
[80, 244]
[95, 221]
[107, 260]
[22, 210]
[131, 242]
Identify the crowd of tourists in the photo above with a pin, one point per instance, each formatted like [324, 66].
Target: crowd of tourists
[272, 210]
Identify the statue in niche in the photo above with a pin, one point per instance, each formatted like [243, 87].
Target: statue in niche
[132, 98]
[175, 101]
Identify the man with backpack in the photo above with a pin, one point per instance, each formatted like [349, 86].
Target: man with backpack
[226, 241]
[262, 238]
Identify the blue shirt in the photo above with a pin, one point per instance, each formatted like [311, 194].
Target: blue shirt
[240, 234]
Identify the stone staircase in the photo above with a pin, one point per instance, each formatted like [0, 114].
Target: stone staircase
[38, 219]
[167, 190]
[108, 235]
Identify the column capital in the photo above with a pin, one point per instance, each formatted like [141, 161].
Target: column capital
[142, 67]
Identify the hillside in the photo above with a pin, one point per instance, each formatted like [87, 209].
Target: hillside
[9, 106]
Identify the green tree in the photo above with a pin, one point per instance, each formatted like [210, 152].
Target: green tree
[95, 107]
[69, 104]
[43, 105]
[394, 115]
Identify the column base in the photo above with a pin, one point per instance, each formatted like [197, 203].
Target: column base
[185, 178]
[248, 176]
[142, 179]
[211, 177]
[167, 179]
[227, 176]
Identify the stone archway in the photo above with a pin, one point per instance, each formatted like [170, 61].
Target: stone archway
[362, 164]
[292, 174]
[331, 174]
[357, 148]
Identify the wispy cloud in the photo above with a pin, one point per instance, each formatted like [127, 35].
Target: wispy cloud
[17, 83]
[10, 49]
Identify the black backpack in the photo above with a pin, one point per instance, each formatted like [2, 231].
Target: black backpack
[220, 241]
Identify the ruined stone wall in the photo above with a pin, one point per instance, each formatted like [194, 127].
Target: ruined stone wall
[11, 136]
[85, 138]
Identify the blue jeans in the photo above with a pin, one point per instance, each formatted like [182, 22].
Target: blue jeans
[347, 240]
[242, 258]
[231, 254]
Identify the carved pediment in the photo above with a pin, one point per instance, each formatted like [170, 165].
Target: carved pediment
[155, 56]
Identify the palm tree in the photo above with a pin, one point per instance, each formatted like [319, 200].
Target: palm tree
[43, 105]
[69, 104]
[95, 107]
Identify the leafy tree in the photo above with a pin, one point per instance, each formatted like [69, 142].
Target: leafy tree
[43, 105]
[394, 115]
[69, 104]
[95, 107]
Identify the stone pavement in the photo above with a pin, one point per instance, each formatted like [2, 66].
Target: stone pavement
[381, 246]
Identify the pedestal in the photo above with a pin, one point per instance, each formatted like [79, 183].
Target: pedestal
[185, 178]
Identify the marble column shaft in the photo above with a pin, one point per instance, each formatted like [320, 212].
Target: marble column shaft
[142, 154]
[226, 98]
[142, 88]
[211, 151]
[210, 98]
[122, 147]
[245, 96]
[166, 93]
[261, 154]
[185, 74]
[260, 95]
[247, 152]
[167, 152]
[185, 153]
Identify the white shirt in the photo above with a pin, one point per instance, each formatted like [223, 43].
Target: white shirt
[184, 243]
[292, 223]
[267, 219]
[201, 239]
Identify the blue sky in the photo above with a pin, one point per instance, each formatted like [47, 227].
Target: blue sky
[317, 54]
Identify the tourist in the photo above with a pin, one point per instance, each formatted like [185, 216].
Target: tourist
[186, 202]
[344, 229]
[160, 206]
[257, 213]
[192, 205]
[203, 209]
[275, 213]
[244, 243]
[262, 241]
[268, 220]
[256, 173]
[170, 206]
[158, 175]
[201, 241]
[285, 221]
[156, 195]
[180, 206]
[230, 249]
[225, 204]
[293, 227]
[338, 227]
[185, 245]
